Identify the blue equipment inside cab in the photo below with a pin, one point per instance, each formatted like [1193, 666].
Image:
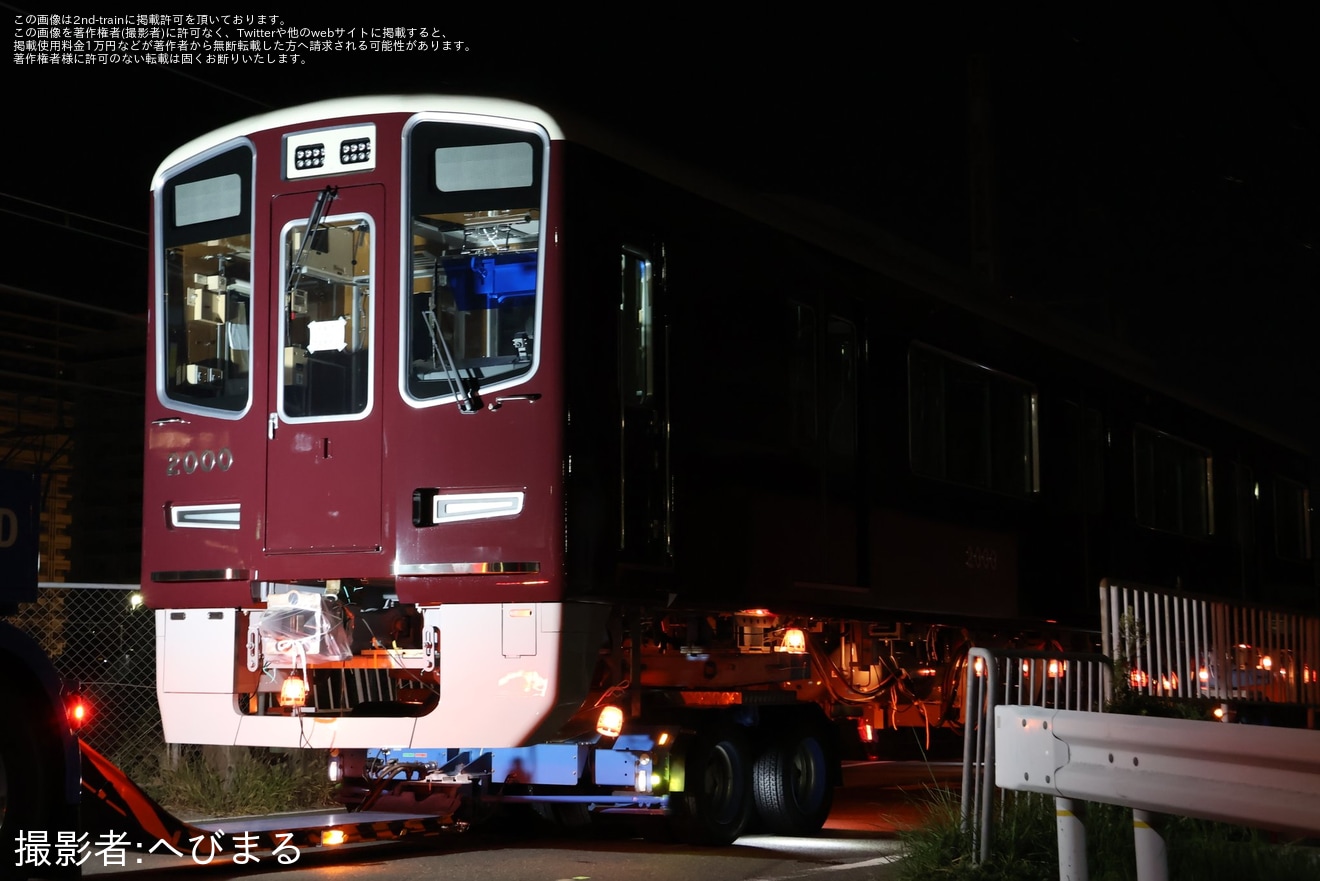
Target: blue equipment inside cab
[484, 282]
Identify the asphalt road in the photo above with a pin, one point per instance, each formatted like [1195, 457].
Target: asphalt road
[858, 843]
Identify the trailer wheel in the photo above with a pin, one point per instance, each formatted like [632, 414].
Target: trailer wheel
[791, 783]
[715, 805]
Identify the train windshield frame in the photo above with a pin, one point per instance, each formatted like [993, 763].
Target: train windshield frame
[476, 200]
[205, 227]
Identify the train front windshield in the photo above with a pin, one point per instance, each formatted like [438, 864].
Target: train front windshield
[475, 197]
[475, 207]
[207, 232]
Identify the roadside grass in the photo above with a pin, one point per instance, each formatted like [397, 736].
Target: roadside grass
[1024, 846]
[232, 781]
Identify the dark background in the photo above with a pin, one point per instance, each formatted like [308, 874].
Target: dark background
[1152, 179]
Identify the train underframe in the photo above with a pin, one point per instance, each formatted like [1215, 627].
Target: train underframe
[718, 721]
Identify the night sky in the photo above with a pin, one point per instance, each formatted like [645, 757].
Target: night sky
[1153, 180]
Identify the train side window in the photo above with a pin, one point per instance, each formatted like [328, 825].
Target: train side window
[1172, 483]
[205, 224]
[1292, 519]
[970, 424]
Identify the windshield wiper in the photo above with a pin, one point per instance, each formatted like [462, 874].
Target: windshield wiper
[468, 402]
[323, 200]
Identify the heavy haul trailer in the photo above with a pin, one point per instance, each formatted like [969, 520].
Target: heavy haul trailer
[545, 473]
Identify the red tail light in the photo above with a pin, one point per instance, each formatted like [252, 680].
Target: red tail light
[77, 710]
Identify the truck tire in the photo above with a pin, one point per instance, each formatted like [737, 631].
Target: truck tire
[715, 804]
[791, 782]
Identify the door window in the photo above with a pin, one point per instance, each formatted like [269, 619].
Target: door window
[325, 332]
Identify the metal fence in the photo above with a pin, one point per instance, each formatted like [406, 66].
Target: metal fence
[998, 677]
[102, 640]
[1175, 645]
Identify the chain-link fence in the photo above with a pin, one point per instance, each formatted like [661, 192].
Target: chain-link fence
[103, 640]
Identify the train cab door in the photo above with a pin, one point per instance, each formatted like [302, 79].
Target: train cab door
[645, 522]
[324, 431]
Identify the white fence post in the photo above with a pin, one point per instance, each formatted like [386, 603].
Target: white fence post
[1072, 841]
[1152, 856]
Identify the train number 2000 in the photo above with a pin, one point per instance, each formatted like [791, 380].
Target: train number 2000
[192, 461]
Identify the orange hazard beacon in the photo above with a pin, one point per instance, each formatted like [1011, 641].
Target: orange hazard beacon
[505, 462]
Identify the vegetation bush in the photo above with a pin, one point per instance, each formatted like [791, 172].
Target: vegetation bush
[232, 781]
[1024, 846]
